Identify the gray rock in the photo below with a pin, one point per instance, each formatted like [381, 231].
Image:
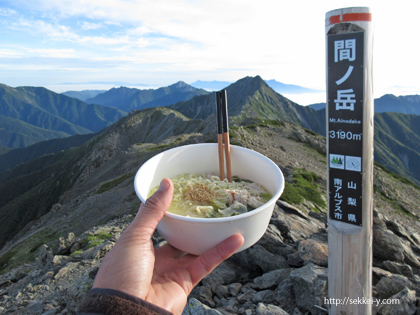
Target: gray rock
[271, 279]
[45, 256]
[195, 307]
[60, 259]
[261, 257]
[64, 245]
[272, 240]
[246, 296]
[387, 246]
[225, 273]
[399, 268]
[234, 288]
[33, 307]
[310, 286]
[222, 291]
[265, 296]
[290, 209]
[378, 274]
[65, 270]
[204, 294]
[270, 309]
[402, 303]
[313, 251]
[378, 220]
[285, 295]
[399, 230]
[102, 250]
[388, 286]
[294, 260]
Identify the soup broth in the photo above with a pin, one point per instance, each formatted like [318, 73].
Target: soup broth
[206, 196]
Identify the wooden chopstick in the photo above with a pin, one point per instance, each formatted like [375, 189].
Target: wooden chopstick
[226, 133]
[220, 135]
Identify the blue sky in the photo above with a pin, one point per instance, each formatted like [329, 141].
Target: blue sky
[88, 44]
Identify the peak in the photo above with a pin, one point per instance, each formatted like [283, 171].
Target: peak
[179, 84]
[256, 82]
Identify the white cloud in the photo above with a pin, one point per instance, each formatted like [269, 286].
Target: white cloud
[54, 53]
[7, 12]
[90, 26]
[7, 53]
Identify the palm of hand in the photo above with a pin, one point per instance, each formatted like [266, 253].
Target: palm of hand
[163, 276]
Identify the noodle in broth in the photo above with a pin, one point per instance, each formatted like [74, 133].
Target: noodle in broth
[206, 196]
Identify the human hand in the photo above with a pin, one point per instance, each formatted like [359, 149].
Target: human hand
[163, 276]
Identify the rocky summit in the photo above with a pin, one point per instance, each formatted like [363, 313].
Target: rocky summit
[52, 262]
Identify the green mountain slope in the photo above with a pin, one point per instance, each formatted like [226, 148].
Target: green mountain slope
[128, 99]
[58, 115]
[397, 143]
[409, 104]
[14, 157]
[15, 133]
[30, 190]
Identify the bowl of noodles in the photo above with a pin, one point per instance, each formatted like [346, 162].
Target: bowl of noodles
[206, 210]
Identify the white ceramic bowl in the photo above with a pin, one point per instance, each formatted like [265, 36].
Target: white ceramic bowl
[198, 235]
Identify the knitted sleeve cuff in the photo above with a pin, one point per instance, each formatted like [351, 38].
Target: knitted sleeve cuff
[113, 302]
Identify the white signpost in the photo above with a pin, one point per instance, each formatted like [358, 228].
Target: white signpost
[350, 111]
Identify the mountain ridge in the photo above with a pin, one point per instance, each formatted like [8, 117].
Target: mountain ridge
[252, 97]
[43, 115]
[128, 99]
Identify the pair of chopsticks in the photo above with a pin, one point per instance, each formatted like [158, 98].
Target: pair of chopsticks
[223, 134]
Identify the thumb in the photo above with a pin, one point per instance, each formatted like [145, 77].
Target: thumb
[152, 211]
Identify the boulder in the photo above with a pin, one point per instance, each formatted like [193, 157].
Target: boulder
[388, 286]
[398, 268]
[271, 279]
[310, 286]
[387, 246]
[313, 251]
[45, 256]
[258, 256]
[195, 307]
[64, 245]
[378, 274]
[204, 294]
[225, 273]
[401, 303]
[270, 309]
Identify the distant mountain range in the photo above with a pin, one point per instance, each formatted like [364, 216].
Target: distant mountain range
[128, 99]
[83, 95]
[409, 104]
[32, 114]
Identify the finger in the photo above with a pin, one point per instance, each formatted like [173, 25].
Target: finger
[152, 211]
[205, 263]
